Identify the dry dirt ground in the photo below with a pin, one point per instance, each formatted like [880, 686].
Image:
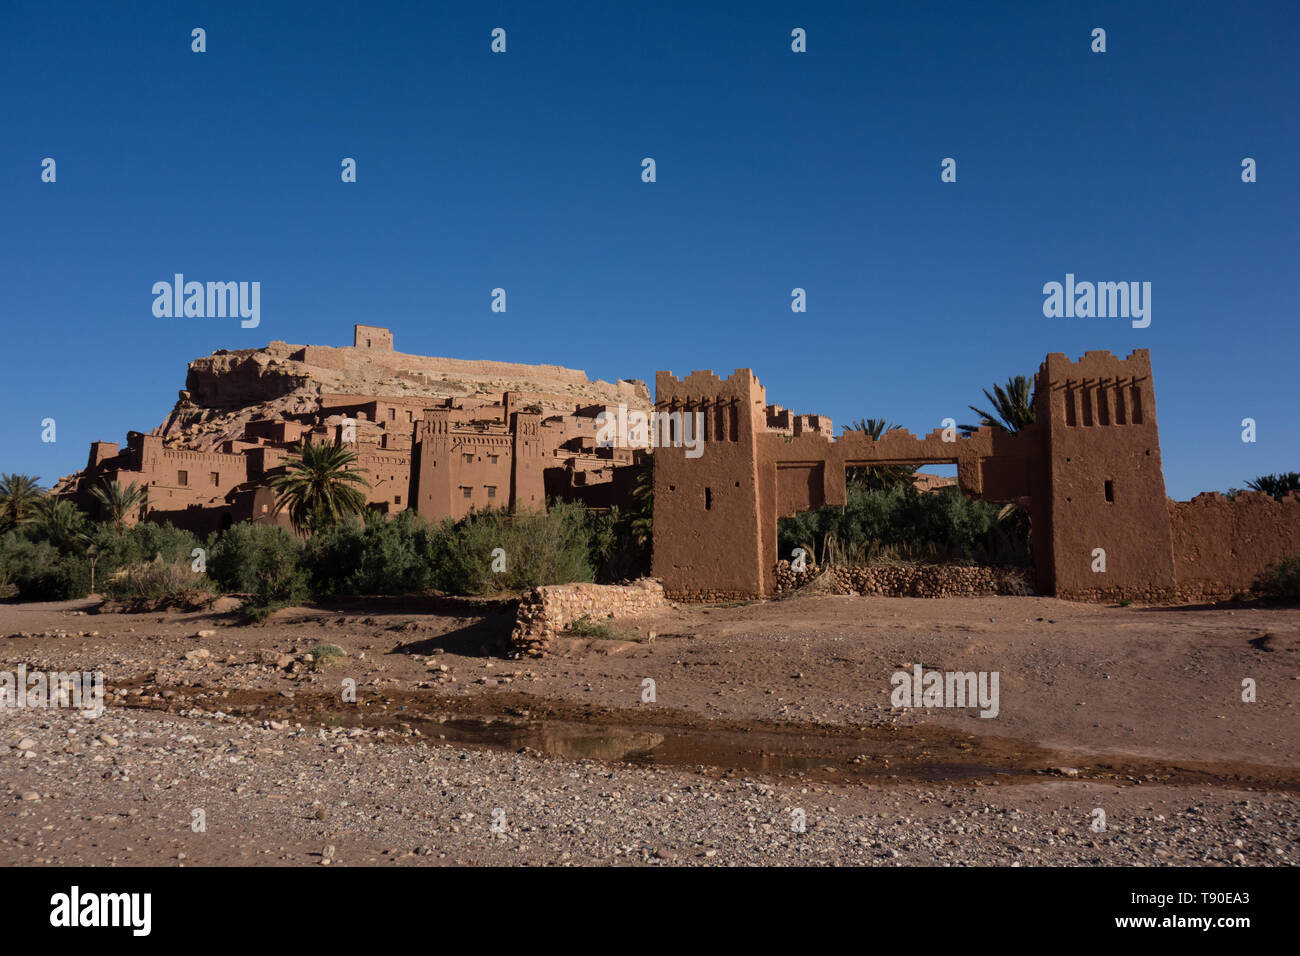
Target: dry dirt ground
[771, 738]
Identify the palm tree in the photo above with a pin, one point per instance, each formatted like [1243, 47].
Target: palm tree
[878, 477]
[641, 510]
[1013, 407]
[57, 519]
[1276, 485]
[318, 486]
[18, 493]
[117, 503]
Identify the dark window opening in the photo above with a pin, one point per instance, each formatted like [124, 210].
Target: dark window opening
[1110, 491]
[708, 499]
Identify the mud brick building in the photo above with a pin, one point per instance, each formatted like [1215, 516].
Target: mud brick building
[443, 455]
[1088, 472]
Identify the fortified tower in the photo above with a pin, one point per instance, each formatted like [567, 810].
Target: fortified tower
[1106, 484]
[372, 337]
[528, 487]
[709, 540]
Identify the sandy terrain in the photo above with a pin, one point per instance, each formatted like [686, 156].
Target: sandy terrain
[760, 710]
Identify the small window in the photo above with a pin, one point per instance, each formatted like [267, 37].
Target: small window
[493, 459]
[392, 414]
[216, 477]
[1110, 491]
[182, 478]
[465, 491]
[397, 499]
[708, 499]
[469, 459]
[492, 491]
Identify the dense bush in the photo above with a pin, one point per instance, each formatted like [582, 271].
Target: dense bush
[551, 548]
[409, 553]
[902, 524]
[158, 581]
[238, 556]
[143, 542]
[381, 557]
[262, 560]
[1280, 581]
[50, 562]
[38, 571]
[403, 555]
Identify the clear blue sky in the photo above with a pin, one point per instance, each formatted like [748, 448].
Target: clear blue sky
[775, 170]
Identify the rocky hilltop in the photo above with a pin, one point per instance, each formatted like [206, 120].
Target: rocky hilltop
[227, 389]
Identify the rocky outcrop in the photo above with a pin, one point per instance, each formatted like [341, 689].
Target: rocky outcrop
[225, 390]
[233, 379]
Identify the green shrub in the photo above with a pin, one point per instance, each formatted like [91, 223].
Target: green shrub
[323, 655]
[48, 561]
[262, 560]
[551, 548]
[1280, 581]
[240, 557]
[38, 571]
[165, 582]
[586, 627]
[142, 542]
[409, 554]
[383, 557]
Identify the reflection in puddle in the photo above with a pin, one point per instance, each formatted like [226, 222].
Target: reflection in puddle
[755, 753]
[879, 755]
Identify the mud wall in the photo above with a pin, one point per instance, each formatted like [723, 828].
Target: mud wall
[1221, 544]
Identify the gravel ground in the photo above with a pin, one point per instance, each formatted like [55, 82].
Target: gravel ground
[123, 789]
[1159, 685]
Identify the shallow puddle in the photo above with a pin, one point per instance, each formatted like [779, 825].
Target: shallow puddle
[870, 755]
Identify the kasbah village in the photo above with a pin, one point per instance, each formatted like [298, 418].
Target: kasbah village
[349, 606]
